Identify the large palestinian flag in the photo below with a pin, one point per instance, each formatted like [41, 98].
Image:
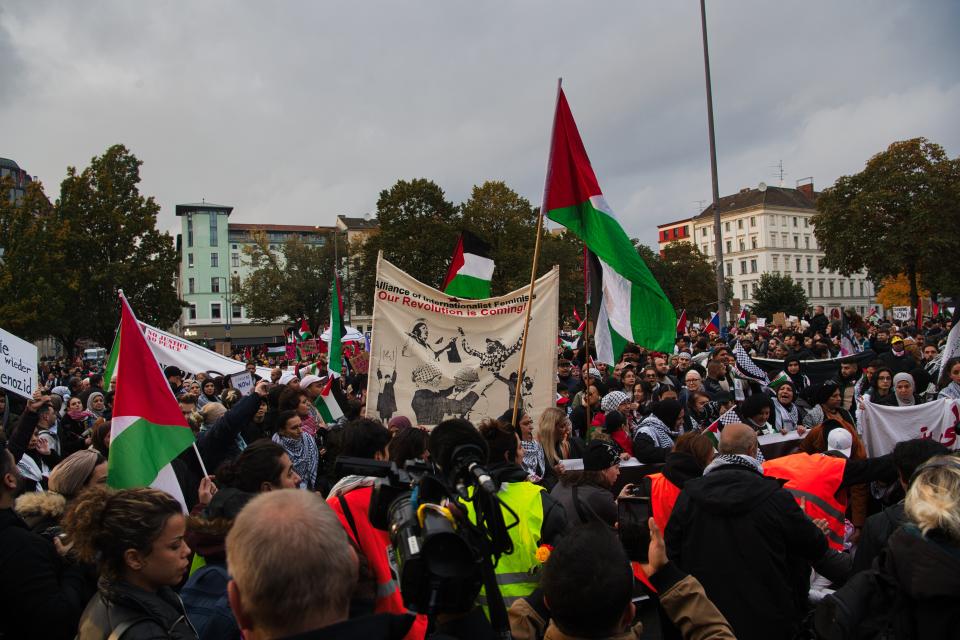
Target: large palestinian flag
[471, 269]
[337, 329]
[633, 307]
[148, 430]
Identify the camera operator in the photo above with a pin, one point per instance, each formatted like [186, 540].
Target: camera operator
[587, 495]
[350, 500]
[541, 519]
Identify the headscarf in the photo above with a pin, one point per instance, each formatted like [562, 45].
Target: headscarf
[909, 400]
[303, 455]
[90, 399]
[788, 417]
[70, 475]
[399, 423]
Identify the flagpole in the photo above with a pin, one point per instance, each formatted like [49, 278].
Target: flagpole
[586, 329]
[533, 270]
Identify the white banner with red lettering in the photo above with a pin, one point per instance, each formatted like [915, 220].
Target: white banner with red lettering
[191, 357]
[434, 357]
[883, 427]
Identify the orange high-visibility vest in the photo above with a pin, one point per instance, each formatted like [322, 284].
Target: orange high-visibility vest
[663, 495]
[814, 481]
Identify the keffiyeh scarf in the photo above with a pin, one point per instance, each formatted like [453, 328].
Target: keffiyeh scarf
[534, 462]
[656, 430]
[304, 456]
[787, 418]
[737, 459]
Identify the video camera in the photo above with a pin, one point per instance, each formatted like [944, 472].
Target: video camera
[442, 558]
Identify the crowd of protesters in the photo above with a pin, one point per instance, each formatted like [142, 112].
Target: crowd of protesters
[277, 541]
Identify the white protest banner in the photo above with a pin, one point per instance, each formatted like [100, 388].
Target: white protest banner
[761, 322]
[435, 357]
[18, 365]
[190, 357]
[883, 427]
[242, 382]
[901, 313]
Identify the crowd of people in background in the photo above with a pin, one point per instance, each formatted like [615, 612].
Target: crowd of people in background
[277, 542]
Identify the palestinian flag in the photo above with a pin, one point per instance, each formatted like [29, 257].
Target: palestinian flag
[633, 307]
[713, 433]
[326, 403]
[337, 329]
[682, 322]
[781, 378]
[110, 371]
[303, 332]
[148, 430]
[471, 269]
[742, 320]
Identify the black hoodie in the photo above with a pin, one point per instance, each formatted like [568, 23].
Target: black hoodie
[750, 546]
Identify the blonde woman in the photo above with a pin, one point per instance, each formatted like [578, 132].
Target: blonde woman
[555, 433]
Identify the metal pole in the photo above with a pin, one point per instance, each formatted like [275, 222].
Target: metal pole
[717, 239]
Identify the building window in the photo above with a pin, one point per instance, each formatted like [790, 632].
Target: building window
[730, 269]
[743, 266]
[235, 247]
[810, 288]
[753, 242]
[841, 288]
[740, 244]
[820, 284]
[806, 222]
[191, 285]
[796, 242]
[706, 249]
[776, 263]
[729, 249]
[798, 265]
[861, 289]
[806, 242]
[189, 231]
[753, 265]
[819, 267]
[215, 285]
[831, 288]
[773, 239]
[213, 229]
[795, 221]
[726, 226]
[753, 221]
[214, 259]
[236, 311]
[744, 289]
[193, 312]
[214, 310]
[809, 265]
[739, 224]
[753, 287]
[235, 259]
[190, 260]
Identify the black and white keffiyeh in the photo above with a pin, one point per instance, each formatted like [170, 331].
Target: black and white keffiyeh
[746, 367]
[654, 428]
[304, 456]
[736, 459]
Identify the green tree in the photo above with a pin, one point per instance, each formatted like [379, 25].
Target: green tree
[418, 229]
[31, 264]
[778, 293]
[113, 244]
[686, 276]
[285, 284]
[899, 215]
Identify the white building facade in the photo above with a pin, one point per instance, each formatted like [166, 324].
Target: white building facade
[770, 230]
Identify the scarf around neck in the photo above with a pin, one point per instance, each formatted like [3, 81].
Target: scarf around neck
[736, 459]
[788, 417]
[304, 456]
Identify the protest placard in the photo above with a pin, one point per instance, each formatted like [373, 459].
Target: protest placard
[242, 382]
[18, 365]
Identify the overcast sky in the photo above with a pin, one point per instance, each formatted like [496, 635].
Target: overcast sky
[294, 112]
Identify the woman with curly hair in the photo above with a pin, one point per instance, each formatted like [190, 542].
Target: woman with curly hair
[136, 537]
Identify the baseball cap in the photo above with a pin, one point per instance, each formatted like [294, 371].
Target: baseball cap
[308, 380]
[896, 339]
[600, 456]
[172, 370]
[840, 440]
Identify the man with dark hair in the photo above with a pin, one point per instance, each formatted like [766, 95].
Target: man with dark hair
[907, 456]
[34, 575]
[365, 438]
[174, 377]
[584, 602]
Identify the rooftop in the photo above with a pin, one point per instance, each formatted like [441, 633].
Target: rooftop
[769, 197]
[674, 223]
[300, 228]
[190, 207]
[358, 223]
[6, 163]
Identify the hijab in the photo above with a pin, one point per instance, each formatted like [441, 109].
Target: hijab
[909, 400]
[90, 399]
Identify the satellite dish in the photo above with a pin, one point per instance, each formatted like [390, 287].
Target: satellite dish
[762, 186]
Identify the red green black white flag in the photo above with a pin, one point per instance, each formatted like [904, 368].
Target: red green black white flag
[471, 269]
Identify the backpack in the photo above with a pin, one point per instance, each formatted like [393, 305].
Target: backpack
[870, 606]
[205, 600]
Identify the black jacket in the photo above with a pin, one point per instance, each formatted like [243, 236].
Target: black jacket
[219, 442]
[39, 597]
[680, 467]
[876, 531]
[146, 616]
[819, 323]
[911, 593]
[904, 363]
[750, 546]
[382, 626]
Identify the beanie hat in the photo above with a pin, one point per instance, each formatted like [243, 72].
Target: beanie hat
[600, 456]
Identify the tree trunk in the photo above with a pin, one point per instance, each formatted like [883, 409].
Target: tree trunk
[912, 279]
